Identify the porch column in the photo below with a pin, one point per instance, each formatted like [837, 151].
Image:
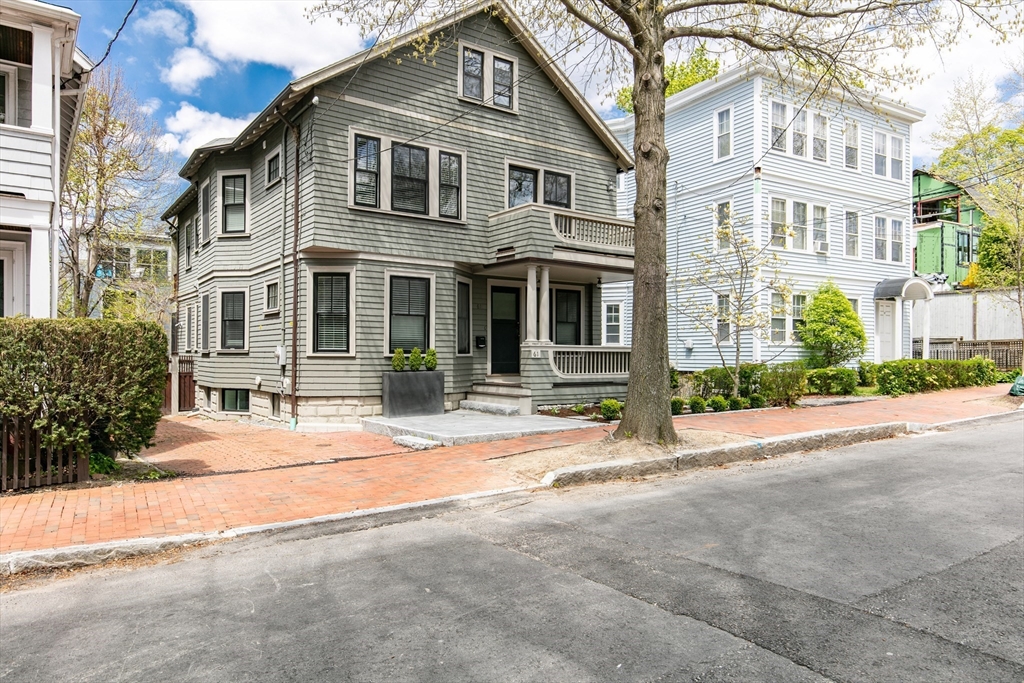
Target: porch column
[42, 81]
[545, 306]
[531, 304]
[926, 322]
[39, 272]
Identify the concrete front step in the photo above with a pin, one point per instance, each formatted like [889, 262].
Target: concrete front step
[496, 389]
[522, 403]
[488, 407]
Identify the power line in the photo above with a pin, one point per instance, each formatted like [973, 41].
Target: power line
[111, 43]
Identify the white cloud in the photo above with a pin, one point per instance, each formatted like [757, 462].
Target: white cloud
[191, 127]
[166, 23]
[151, 105]
[274, 32]
[188, 67]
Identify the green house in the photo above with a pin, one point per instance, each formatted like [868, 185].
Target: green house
[947, 226]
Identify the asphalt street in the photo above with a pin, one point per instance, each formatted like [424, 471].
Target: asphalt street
[899, 560]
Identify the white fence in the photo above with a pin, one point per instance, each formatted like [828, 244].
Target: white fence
[970, 316]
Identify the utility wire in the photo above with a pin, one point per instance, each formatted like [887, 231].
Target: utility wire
[111, 43]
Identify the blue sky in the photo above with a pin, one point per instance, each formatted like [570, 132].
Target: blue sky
[204, 68]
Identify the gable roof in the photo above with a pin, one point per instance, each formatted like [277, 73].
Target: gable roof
[299, 87]
[971, 191]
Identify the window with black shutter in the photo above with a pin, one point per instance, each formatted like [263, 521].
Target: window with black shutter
[232, 317]
[204, 324]
[557, 189]
[409, 313]
[331, 314]
[463, 325]
[450, 185]
[204, 199]
[409, 179]
[367, 189]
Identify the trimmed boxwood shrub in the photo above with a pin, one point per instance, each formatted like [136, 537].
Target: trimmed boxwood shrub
[95, 385]
[719, 404]
[784, 383]
[398, 360]
[698, 405]
[611, 409]
[415, 359]
[832, 381]
[756, 401]
[677, 405]
[738, 403]
[718, 381]
[430, 360]
[867, 373]
[907, 376]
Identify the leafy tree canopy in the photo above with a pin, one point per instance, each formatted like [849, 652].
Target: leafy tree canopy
[832, 331]
[679, 76]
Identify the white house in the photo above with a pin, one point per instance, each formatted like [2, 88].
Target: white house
[825, 182]
[41, 94]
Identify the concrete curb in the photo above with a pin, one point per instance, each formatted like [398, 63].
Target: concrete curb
[98, 553]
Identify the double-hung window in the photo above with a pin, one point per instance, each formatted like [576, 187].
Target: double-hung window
[409, 308]
[852, 229]
[472, 74]
[799, 302]
[9, 94]
[820, 224]
[203, 326]
[503, 70]
[204, 201]
[723, 326]
[882, 154]
[232, 316]
[723, 133]
[568, 311]
[800, 134]
[723, 226]
[152, 263]
[819, 142]
[779, 125]
[852, 145]
[778, 321]
[463, 302]
[557, 189]
[270, 298]
[522, 186]
[450, 185]
[896, 160]
[612, 324]
[409, 179]
[273, 168]
[779, 223]
[367, 180]
[331, 319]
[963, 248]
[896, 246]
[233, 203]
[800, 226]
[881, 238]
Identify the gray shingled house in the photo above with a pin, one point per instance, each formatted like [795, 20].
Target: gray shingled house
[466, 205]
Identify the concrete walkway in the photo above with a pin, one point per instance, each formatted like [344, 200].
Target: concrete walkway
[462, 427]
[218, 502]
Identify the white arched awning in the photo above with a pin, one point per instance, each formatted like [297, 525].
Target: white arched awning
[904, 288]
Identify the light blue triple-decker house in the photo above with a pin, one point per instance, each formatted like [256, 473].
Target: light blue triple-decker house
[823, 181]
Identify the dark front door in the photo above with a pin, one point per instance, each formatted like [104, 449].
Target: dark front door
[504, 331]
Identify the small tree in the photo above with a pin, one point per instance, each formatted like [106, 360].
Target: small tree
[832, 331]
[726, 288]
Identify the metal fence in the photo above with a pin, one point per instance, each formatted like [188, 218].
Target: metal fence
[1007, 353]
[26, 463]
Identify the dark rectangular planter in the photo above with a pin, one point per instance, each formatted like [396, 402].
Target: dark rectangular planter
[411, 394]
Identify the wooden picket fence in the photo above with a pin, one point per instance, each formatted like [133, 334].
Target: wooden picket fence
[26, 463]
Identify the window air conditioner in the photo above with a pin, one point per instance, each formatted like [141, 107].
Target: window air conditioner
[821, 247]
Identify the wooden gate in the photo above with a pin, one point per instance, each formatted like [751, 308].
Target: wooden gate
[186, 383]
[26, 463]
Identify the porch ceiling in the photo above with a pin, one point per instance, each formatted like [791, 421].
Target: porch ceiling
[561, 272]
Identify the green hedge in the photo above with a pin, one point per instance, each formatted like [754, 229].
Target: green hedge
[867, 374]
[784, 383]
[91, 384]
[832, 381]
[898, 377]
[718, 381]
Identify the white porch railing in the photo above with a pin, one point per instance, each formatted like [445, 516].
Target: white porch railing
[573, 226]
[577, 361]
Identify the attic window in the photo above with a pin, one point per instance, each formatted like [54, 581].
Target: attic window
[488, 78]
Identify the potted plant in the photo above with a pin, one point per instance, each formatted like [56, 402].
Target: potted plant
[412, 394]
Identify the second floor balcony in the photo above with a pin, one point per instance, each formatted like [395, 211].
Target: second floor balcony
[539, 231]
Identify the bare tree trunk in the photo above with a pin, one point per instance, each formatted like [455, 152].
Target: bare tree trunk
[648, 415]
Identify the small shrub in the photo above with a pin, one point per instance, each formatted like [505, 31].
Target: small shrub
[398, 360]
[677, 405]
[579, 409]
[430, 360]
[867, 374]
[718, 381]
[738, 403]
[832, 331]
[784, 383]
[897, 377]
[415, 359]
[611, 409]
[103, 463]
[756, 401]
[673, 378]
[832, 381]
[698, 405]
[719, 404]
[1008, 377]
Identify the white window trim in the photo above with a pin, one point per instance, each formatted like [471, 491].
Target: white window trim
[809, 225]
[200, 318]
[266, 286]
[384, 178]
[860, 234]
[220, 320]
[790, 339]
[889, 137]
[828, 137]
[189, 247]
[468, 281]
[860, 144]
[732, 136]
[266, 168]
[533, 166]
[310, 272]
[604, 323]
[488, 81]
[212, 233]
[888, 218]
[190, 331]
[714, 333]
[12, 91]
[388, 273]
[16, 302]
[219, 233]
[791, 111]
[714, 222]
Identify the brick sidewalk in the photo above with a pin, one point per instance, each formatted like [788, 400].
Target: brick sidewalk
[218, 502]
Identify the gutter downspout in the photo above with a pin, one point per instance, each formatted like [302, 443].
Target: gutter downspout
[295, 271]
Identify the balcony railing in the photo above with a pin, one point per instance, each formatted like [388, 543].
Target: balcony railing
[572, 226]
[579, 361]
